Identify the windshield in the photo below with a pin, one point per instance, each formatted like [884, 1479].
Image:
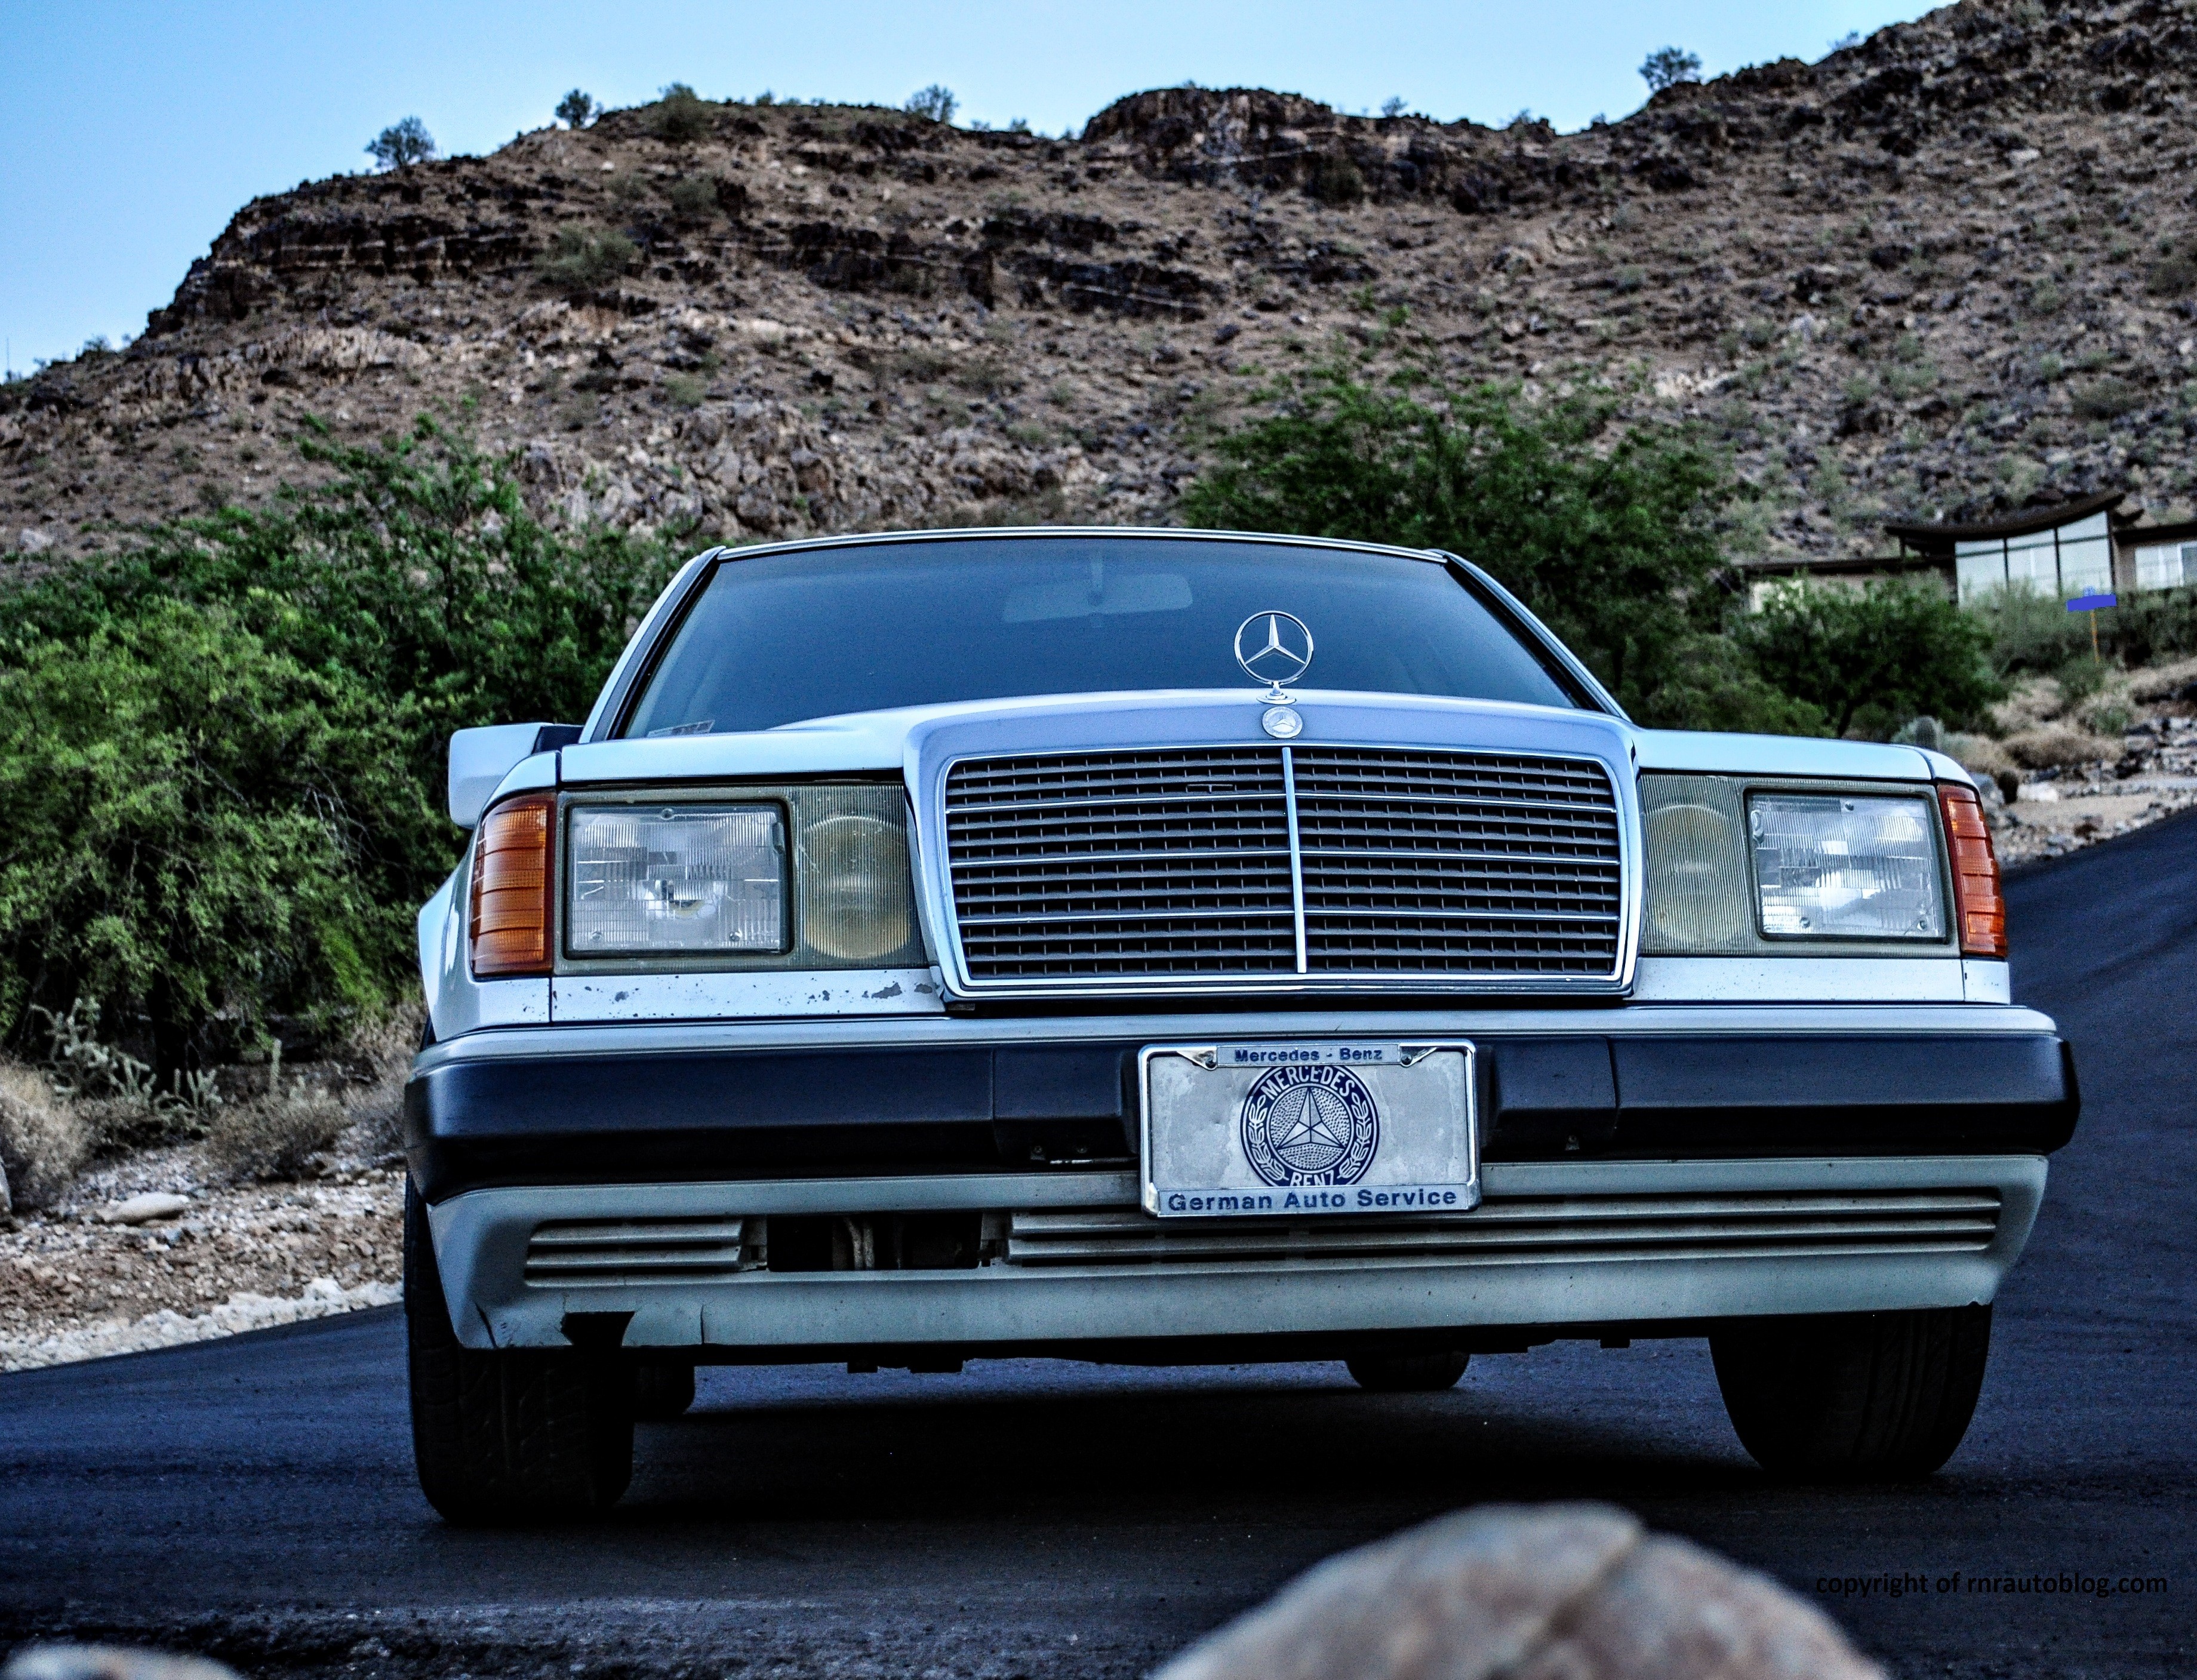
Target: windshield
[817, 633]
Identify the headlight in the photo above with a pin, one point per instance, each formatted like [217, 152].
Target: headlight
[1843, 866]
[854, 874]
[1697, 888]
[677, 878]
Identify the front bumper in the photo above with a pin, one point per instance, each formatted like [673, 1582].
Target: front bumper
[1645, 1167]
[855, 1099]
[1555, 1249]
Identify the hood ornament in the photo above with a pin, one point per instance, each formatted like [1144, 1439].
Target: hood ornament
[1275, 648]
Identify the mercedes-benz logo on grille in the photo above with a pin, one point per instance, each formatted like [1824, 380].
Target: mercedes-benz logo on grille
[1274, 648]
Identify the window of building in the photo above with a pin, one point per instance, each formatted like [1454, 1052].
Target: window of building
[2073, 559]
[2166, 566]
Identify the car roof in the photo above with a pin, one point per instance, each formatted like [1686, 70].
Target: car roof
[1123, 533]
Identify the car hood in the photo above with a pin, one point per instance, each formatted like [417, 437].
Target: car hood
[887, 741]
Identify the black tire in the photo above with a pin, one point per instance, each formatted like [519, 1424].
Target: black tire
[662, 1392]
[1853, 1396]
[517, 1436]
[1406, 1373]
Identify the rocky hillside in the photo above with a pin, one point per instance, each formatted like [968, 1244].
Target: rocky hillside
[1949, 270]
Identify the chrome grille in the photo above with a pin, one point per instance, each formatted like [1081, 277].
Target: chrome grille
[1123, 863]
[1750, 1225]
[1277, 863]
[1438, 862]
[567, 1254]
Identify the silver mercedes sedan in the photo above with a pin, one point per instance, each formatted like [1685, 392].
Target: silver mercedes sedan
[1176, 948]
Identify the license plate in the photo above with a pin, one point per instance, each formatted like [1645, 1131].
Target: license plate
[1360, 1127]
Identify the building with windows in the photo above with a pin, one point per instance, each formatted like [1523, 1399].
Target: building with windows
[2064, 551]
[2085, 547]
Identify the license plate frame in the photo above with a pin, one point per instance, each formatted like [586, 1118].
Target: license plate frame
[1208, 1151]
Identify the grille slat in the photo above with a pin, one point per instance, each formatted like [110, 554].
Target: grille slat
[1520, 1229]
[1179, 864]
[578, 1253]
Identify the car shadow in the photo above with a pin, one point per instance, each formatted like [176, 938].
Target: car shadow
[1233, 1442]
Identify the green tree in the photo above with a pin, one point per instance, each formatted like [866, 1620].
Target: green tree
[401, 144]
[1606, 531]
[577, 109]
[408, 595]
[1668, 66]
[1873, 658]
[201, 832]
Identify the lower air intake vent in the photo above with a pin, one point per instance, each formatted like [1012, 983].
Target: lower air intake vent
[578, 1252]
[1627, 1228]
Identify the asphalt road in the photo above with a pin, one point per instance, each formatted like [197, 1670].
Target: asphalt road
[254, 1497]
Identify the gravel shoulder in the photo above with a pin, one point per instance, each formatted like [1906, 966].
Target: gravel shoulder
[76, 1282]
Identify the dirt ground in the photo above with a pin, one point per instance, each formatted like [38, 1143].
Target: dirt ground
[75, 1285]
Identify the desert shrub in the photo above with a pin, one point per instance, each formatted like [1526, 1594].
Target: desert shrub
[1712, 684]
[2147, 627]
[2026, 630]
[1872, 658]
[2107, 399]
[2081, 677]
[581, 260]
[577, 109]
[230, 738]
[2056, 745]
[2173, 275]
[693, 198]
[275, 1136]
[936, 102]
[679, 115]
[1334, 180]
[377, 1060]
[43, 1142]
[1606, 531]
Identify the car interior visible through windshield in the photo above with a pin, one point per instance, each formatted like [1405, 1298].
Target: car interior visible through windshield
[804, 633]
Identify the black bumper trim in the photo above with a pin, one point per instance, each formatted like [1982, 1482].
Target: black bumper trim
[687, 1116]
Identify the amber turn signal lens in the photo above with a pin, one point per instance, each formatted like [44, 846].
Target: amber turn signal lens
[511, 889]
[1976, 897]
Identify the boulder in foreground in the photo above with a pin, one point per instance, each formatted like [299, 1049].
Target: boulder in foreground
[1558, 1592]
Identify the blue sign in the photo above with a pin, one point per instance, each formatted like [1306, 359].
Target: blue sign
[2092, 603]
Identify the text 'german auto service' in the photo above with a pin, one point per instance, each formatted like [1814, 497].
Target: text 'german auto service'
[928, 949]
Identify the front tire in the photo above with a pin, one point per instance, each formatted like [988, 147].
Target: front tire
[1853, 1396]
[513, 1435]
[661, 1393]
[1407, 1373]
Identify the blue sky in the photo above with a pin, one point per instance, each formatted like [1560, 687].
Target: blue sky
[134, 130]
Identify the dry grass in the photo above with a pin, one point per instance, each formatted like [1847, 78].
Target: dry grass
[1980, 753]
[2032, 701]
[276, 1136]
[2159, 683]
[377, 1062]
[352, 1108]
[2042, 749]
[44, 1141]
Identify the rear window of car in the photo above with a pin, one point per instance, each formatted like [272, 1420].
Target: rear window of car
[788, 637]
